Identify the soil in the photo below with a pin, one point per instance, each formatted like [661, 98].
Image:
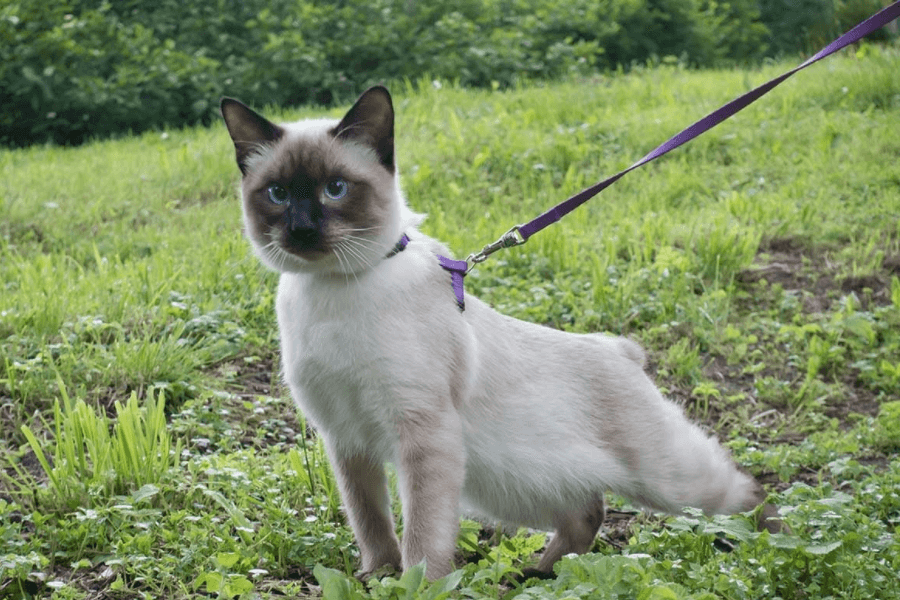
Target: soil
[791, 263]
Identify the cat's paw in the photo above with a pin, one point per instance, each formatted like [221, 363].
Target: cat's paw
[382, 571]
[768, 519]
[534, 573]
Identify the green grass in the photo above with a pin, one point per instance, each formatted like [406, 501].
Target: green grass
[759, 265]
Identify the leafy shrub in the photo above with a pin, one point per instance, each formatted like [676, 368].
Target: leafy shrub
[807, 25]
[703, 33]
[83, 68]
[67, 76]
[796, 24]
[850, 12]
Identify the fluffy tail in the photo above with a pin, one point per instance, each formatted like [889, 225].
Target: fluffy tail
[678, 466]
[671, 463]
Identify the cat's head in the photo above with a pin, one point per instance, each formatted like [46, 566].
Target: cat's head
[320, 195]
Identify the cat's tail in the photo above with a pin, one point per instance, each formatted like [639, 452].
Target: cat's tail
[672, 464]
[694, 470]
[702, 474]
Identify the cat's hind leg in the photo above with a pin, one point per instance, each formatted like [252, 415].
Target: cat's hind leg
[574, 534]
[364, 491]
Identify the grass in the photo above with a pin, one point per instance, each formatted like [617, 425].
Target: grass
[87, 458]
[759, 265]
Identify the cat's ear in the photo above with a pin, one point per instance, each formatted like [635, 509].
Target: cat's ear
[371, 122]
[248, 130]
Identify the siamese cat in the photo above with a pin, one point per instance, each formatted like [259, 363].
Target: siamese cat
[478, 411]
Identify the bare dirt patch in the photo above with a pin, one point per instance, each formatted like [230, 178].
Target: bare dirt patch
[795, 266]
[810, 274]
[260, 407]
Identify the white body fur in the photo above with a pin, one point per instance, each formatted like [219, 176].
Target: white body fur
[543, 421]
[519, 422]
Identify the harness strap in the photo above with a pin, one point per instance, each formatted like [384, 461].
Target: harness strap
[456, 268]
[399, 247]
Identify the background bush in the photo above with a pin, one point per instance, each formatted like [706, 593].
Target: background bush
[84, 68]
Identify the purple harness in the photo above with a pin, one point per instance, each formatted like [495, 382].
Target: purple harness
[456, 268]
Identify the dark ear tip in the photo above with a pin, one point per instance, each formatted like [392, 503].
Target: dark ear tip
[379, 89]
[225, 102]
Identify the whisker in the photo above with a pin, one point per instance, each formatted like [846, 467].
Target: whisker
[361, 243]
[272, 252]
[361, 252]
[351, 234]
[275, 253]
[356, 251]
[361, 239]
[339, 254]
[345, 266]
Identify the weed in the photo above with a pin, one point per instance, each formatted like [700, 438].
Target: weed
[89, 460]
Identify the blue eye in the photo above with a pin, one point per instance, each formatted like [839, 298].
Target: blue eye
[277, 193]
[336, 188]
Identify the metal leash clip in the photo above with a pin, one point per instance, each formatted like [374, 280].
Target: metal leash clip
[507, 240]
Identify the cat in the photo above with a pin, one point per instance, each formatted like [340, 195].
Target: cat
[515, 421]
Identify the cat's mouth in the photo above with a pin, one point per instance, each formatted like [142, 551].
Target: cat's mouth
[303, 242]
[307, 255]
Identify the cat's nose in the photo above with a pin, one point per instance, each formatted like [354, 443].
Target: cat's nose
[304, 214]
[304, 222]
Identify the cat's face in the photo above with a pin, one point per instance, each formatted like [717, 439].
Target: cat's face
[319, 195]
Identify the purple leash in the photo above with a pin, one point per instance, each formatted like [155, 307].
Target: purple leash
[519, 234]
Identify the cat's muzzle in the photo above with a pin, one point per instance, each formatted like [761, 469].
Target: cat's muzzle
[304, 225]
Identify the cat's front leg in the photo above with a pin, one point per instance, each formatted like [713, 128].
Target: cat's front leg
[431, 471]
[364, 491]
